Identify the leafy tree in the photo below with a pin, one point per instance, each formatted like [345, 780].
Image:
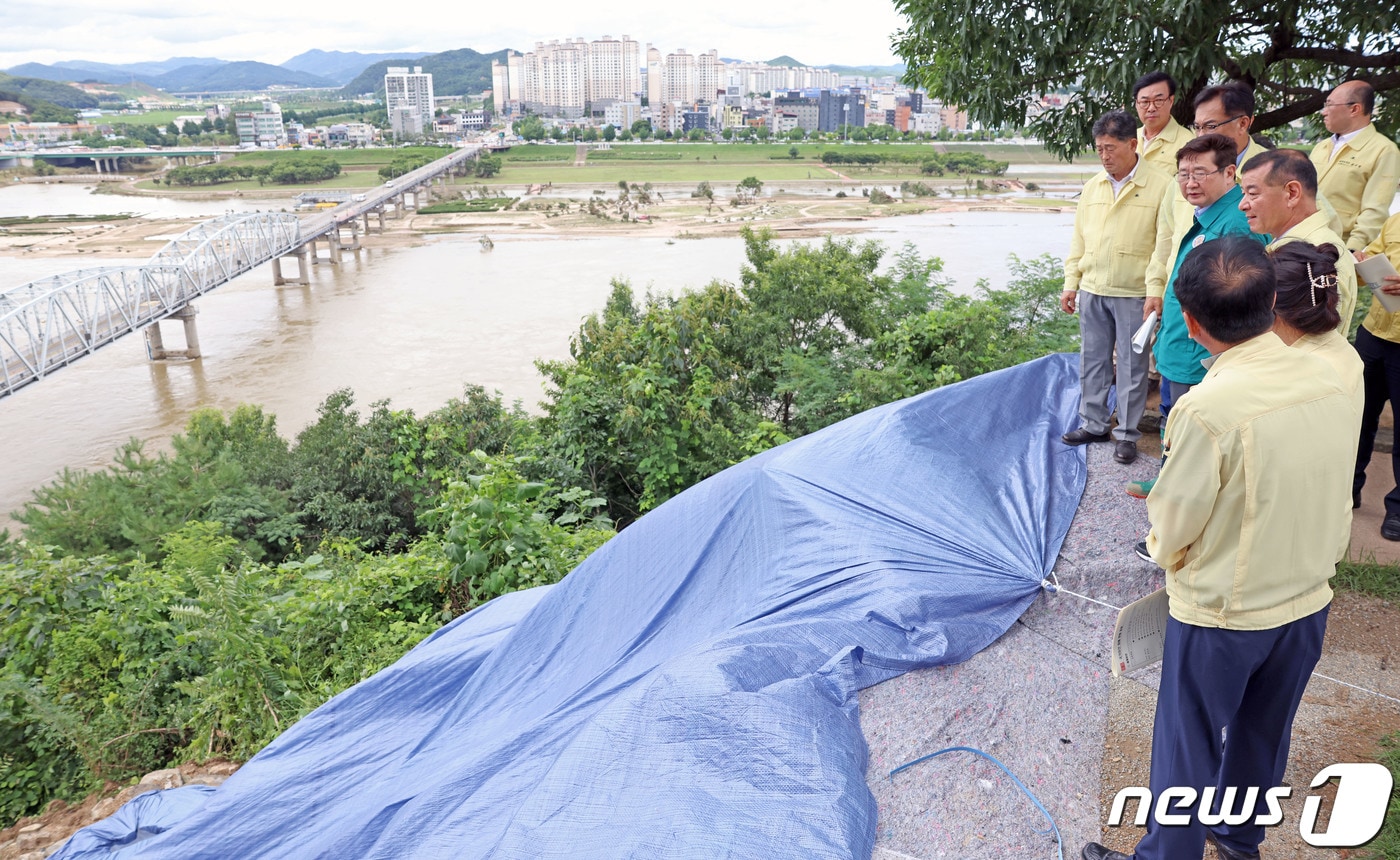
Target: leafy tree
[704, 190]
[1290, 54]
[813, 311]
[750, 186]
[487, 167]
[793, 153]
[650, 402]
[530, 127]
[590, 135]
[609, 133]
[502, 532]
[642, 128]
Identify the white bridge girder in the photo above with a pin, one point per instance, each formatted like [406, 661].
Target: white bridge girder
[52, 322]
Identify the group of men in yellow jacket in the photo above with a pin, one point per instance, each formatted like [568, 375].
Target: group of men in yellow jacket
[1252, 513]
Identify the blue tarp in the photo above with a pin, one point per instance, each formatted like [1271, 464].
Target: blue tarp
[690, 690]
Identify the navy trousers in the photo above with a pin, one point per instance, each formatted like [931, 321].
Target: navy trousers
[1245, 682]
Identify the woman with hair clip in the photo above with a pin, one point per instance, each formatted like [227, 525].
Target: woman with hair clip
[1305, 311]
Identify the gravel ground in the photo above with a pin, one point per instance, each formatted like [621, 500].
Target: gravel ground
[1043, 701]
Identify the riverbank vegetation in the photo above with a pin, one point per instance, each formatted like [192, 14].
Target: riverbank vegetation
[195, 602]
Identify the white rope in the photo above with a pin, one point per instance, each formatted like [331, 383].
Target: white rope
[1053, 586]
[1354, 687]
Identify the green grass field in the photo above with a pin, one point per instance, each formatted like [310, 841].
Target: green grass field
[160, 118]
[720, 162]
[663, 163]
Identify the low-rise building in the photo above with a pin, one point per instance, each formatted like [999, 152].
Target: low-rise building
[621, 114]
[262, 128]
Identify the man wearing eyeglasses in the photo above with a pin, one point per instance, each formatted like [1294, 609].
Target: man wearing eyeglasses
[1357, 167]
[1114, 232]
[1228, 110]
[1161, 135]
[1206, 208]
[1206, 176]
[1280, 201]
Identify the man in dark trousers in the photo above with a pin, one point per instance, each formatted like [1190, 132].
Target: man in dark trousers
[1249, 518]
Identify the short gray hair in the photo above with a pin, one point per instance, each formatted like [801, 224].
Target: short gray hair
[1117, 125]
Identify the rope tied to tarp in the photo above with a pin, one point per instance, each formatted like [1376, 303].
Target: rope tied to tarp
[1052, 585]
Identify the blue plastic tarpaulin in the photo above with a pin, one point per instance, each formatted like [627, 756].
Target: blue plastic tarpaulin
[690, 690]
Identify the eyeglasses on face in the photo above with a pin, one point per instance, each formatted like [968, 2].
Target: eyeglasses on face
[1326, 105]
[1197, 175]
[1212, 126]
[1155, 101]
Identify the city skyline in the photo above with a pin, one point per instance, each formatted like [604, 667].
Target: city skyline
[823, 32]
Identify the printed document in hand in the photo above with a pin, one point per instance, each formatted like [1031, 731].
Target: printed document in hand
[1139, 635]
[1374, 270]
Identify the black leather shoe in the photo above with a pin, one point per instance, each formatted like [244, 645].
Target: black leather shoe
[1390, 529]
[1083, 437]
[1227, 853]
[1095, 851]
[1125, 452]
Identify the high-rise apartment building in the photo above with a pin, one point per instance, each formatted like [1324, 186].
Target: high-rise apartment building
[679, 80]
[614, 70]
[408, 98]
[709, 75]
[656, 77]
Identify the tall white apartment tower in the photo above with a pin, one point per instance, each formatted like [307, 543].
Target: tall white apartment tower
[506, 84]
[709, 73]
[614, 69]
[680, 77]
[656, 77]
[408, 98]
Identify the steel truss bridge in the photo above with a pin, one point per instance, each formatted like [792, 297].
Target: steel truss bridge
[52, 322]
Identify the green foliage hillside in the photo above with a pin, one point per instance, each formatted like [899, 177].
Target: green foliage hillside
[246, 75]
[454, 73]
[197, 602]
[33, 92]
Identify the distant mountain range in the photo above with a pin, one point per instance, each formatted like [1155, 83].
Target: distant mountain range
[866, 71]
[454, 72]
[342, 67]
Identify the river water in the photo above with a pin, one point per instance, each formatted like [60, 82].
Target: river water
[410, 324]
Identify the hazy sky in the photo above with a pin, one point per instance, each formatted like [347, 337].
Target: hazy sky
[816, 32]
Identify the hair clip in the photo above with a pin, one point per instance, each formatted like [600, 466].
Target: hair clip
[1321, 282]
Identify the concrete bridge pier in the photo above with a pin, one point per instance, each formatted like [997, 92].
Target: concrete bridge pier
[155, 344]
[398, 206]
[354, 235]
[303, 268]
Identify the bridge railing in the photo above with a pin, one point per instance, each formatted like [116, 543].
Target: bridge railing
[50, 323]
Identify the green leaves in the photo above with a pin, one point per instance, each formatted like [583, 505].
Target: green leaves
[1093, 52]
[503, 533]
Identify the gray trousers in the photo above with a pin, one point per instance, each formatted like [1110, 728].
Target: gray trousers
[1105, 323]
